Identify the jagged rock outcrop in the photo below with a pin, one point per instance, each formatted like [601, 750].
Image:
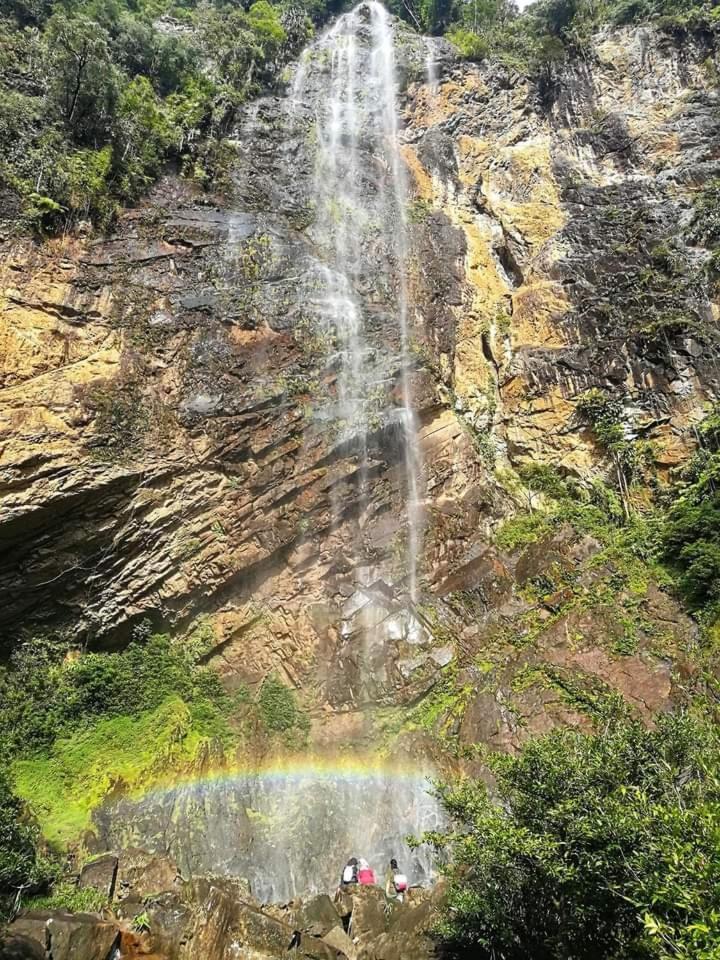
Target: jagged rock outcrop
[575, 201]
[215, 919]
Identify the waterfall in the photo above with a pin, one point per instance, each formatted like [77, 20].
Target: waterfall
[288, 832]
[431, 66]
[360, 199]
[288, 828]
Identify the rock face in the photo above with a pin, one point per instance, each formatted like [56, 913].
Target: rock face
[100, 875]
[571, 199]
[166, 448]
[213, 919]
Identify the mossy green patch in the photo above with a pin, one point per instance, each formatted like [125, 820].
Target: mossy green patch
[278, 707]
[76, 775]
[523, 529]
[66, 896]
[582, 692]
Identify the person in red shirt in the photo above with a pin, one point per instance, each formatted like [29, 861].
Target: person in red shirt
[366, 874]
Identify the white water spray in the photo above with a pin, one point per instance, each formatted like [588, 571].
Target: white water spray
[431, 66]
[360, 203]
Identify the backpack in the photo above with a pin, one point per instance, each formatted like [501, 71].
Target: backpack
[400, 882]
[349, 874]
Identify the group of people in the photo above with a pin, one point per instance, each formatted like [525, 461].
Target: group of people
[359, 871]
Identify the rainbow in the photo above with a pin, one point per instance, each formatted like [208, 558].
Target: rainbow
[309, 767]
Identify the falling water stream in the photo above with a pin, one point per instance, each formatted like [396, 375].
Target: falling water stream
[289, 831]
[361, 203]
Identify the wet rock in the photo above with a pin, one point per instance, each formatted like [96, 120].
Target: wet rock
[100, 875]
[369, 917]
[317, 917]
[68, 936]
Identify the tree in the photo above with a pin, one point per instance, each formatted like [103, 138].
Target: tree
[435, 15]
[596, 848]
[83, 78]
[143, 136]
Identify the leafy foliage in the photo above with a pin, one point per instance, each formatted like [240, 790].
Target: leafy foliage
[95, 99]
[677, 532]
[21, 867]
[47, 695]
[73, 727]
[691, 533]
[66, 782]
[542, 35]
[279, 711]
[600, 846]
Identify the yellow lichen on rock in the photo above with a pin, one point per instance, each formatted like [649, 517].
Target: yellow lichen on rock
[537, 307]
[436, 106]
[538, 427]
[421, 179]
[489, 290]
[518, 185]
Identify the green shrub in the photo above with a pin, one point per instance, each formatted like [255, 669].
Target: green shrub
[82, 185]
[46, 695]
[536, 39]
[544, 479]
[691, 533]
[597, 846]
[469, 45]
[22, 868]
[67, 896]
[523, 529]
[279, 711]
[96, 98]
[66, 782]
[144, 136]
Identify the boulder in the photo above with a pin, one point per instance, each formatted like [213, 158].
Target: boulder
[145, 875]
[264, 936]
[66, 936]
[318, 916]
[211, 933]
[100, 874]
[369, 914]
[19, 947]
[338, 940]
[171, 918]
[225, 925]
[82, 936]
[344, 903]
[408, 935]
[31, 926]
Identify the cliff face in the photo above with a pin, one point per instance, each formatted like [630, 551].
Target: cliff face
[572, 199]
[166, 455]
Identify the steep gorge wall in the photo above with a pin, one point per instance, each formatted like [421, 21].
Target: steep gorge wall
[164, 453]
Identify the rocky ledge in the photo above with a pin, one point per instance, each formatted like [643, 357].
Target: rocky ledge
[155, 913]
